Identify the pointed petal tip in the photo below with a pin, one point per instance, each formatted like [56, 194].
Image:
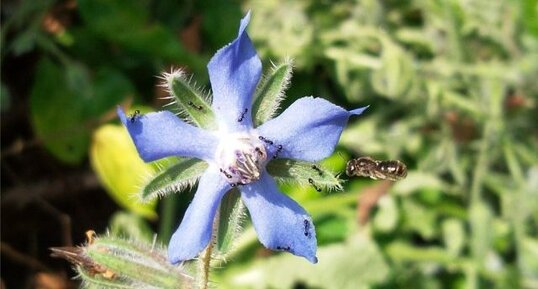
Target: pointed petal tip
[244, 23]
[310, 256]
[359, 111]
[308, 253]
[247, 16]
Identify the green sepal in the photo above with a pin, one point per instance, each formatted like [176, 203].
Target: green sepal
[230, 219]
[174, 178]
[189, 100]
[304, 173]
[116, 263]
[271, 92]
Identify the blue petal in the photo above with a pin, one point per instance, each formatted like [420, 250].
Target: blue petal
[308, 130]
[194, 233]
[280, 222]
[162, 134]
[234, 72]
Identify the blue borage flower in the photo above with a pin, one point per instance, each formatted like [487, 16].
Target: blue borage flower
[237, 153]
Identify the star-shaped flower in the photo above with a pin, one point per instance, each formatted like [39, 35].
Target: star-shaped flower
[237, 153]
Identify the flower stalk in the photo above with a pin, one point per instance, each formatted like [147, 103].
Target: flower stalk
[205, 258]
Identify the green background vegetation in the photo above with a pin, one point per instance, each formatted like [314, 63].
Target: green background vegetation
[452, 88]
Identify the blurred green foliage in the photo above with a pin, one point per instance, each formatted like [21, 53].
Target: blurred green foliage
[452, 92]
[452, 88]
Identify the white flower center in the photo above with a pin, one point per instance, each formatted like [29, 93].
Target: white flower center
[241, 158]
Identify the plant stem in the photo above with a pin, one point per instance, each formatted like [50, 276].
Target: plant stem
[204, 260]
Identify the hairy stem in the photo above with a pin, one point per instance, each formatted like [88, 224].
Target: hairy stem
[204, 261]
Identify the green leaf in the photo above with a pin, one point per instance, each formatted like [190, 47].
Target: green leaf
[232, 213]
[188, 100]
[110, 87]
[418, 218]
[403, 252]
[127, 23]
[297, 36]
[172, 179]
[115, 160]
[23, 23]
[66, 101]
[416, 181]
[58, 113]
[333, 229]
[111, 17]
[394, 77]
[358, 263]
[269, 95]
[304, 173]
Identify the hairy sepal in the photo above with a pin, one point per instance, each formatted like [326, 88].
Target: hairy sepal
[304, 173]
[111, 262]
[188, 100]
[229, 224]
[271, 92]
[174, 178]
